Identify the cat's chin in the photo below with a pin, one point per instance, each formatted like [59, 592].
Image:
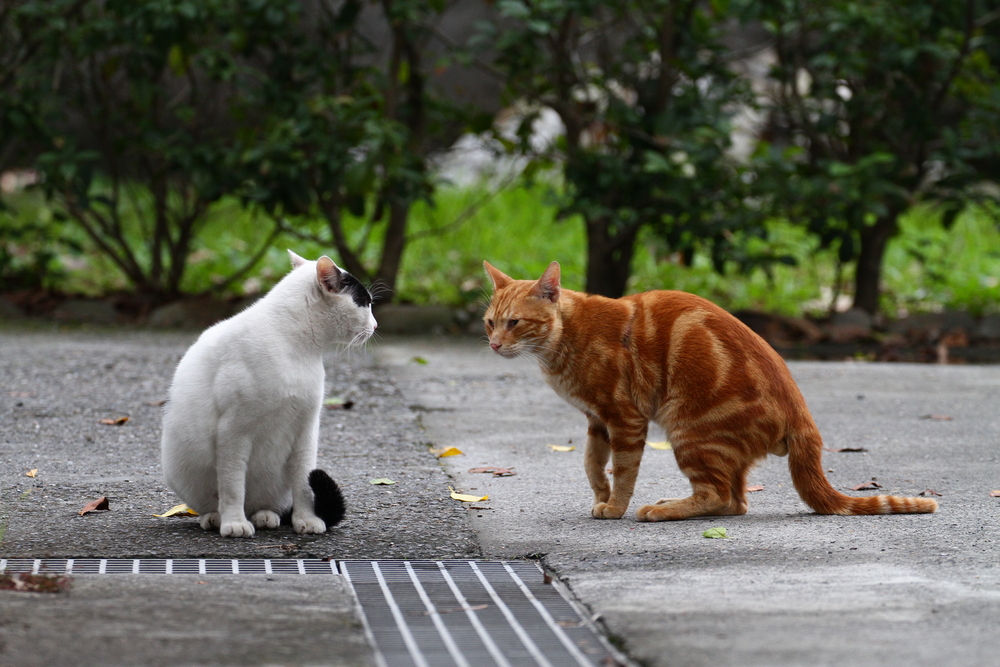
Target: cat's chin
[508, 353]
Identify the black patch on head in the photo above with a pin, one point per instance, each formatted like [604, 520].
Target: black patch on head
[351, 285]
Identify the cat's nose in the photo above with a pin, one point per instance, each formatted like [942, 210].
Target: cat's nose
[495, 346]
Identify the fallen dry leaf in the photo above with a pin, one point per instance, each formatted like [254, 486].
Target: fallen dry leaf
[447, 451]
[847, 449]
[943, 418]
[31, 473]
[338, 403]
[751, 489]
[381, 481]
[664, 444]
[115, 422]
[995, 494]
[20, 394]
[562, 448]
[466, 498]
[34, 583]
[866, 486]
[178, 510]
[94, 505]
[928, 492]
[497, 472]
[156, 404]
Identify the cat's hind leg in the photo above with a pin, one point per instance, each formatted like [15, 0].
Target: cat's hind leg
[715, 473]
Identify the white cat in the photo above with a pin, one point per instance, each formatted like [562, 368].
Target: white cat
[242, 419]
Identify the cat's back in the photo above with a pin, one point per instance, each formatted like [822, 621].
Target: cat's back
[706, 351]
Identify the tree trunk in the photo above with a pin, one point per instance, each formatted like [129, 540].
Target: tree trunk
[609, 257]
[868, 275]
[392, 250]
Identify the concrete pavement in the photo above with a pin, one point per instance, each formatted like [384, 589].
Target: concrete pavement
[790, 587]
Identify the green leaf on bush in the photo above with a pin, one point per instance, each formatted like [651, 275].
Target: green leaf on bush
[715, 533]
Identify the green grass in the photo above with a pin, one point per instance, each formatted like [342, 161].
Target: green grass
[926, 267]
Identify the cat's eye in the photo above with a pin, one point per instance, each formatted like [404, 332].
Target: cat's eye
[489, 323]
[512, 323]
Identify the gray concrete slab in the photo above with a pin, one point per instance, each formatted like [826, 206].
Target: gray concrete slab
[180, 620]
[791, 587]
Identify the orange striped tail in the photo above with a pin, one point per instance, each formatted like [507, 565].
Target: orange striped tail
[805, 462]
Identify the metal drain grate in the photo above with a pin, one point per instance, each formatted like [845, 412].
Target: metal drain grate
[472, 613]
[168, 566]
[461, 613]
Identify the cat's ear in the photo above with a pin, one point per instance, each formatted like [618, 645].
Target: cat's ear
[296, 260]
[499, 278]
[547, 286]
[328, 274]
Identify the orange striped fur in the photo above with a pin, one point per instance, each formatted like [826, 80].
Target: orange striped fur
[723, 395]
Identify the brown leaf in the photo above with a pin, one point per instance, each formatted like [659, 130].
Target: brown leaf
[32, 473]
[20, 394]
[866, 486]
[497, 472]
[156, 404]
[751, 489]
[118, 421]
[942, 418]
[995, 494]
[34, 583]
[99, 504]
[928, 492]
[847, 449]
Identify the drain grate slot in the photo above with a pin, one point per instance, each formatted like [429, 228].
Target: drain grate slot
[169, 566]
[472, 614]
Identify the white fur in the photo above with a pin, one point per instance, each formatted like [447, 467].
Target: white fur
[242, 419]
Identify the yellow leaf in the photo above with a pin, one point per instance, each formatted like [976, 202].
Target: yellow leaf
[659, 445]
[32, 472]
[448, 451]
[178, 510]
[117, 421]
[562, 448]
[466, 498]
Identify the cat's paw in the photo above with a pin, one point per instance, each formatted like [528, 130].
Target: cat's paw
[210, 521]
[265, 519]
[606, 511]
[664, 501]
[309, 525]
[240, 528]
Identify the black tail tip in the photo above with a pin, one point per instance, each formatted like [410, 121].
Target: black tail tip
[329, 501]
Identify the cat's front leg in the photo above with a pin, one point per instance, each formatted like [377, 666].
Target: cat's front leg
[301, 461]
[232, 479]
[626, 442]
[595, 458]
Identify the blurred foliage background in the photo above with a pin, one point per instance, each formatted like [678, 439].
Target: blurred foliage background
[793, 156]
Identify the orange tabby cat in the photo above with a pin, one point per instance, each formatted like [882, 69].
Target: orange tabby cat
[723, 395]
